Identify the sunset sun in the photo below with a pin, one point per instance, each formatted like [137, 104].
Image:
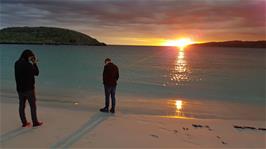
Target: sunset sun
[180, 43]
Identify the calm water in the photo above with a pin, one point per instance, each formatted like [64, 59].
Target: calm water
[153, 73]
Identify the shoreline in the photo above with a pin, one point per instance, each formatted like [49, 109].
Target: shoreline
[190, 108]
[261, 44]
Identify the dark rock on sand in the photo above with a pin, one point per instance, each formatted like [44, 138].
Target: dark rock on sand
[224, 142]
[154, 136]
[195, 125]
[239, 127]
[248, 127]
[264, 129]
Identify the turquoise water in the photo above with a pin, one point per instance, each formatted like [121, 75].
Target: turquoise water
[75, 72]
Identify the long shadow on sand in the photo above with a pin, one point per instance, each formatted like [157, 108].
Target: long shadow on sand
[87, 127]
[14, 133]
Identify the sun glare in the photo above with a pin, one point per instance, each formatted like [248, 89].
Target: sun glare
[180, 43]
[178, 104]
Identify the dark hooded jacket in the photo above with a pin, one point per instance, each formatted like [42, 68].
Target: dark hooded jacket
[110, 74]
[24, 75]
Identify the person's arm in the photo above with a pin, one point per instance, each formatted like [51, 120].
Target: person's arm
[17, 74]
[35, 69]
[117, 73]
[104, 74]
[32, 69]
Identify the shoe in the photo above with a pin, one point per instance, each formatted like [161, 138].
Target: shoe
[104, 109]
[26, 124]
[37, 124]
[112, 110]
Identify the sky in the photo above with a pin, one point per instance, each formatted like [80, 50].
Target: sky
[143, 22]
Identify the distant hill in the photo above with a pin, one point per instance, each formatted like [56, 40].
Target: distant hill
[236, 43]
[45, 35]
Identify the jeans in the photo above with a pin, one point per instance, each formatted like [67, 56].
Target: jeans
[30, 96]
[109, 90]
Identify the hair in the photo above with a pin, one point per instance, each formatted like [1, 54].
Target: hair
[107, 60]
[26, 54]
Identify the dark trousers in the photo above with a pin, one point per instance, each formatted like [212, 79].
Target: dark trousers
[30, 96]
[109, 90]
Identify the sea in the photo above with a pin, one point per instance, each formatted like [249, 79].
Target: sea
[195, 82]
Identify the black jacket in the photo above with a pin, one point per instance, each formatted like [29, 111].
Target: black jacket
[24, 74]
[110, 74]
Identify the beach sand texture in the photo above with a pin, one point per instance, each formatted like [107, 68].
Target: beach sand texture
[68, 128]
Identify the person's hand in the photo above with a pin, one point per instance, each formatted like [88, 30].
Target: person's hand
[34, 60]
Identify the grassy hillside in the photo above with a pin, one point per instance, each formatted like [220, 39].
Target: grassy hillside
[45, 35]
[236, 43]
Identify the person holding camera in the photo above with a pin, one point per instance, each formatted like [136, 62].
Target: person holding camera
[25, 71]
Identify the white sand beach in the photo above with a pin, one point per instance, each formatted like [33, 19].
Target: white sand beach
[70, 128]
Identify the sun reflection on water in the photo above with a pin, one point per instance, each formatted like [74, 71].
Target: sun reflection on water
[179, 108]
[180, 73]
[178, 104]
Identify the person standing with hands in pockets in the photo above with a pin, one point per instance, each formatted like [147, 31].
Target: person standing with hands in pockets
[110, 77]
[25, 71]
